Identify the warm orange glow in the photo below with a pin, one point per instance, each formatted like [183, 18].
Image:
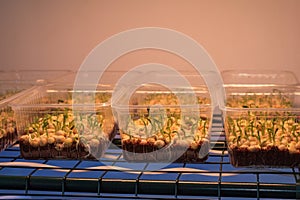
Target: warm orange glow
[237, 34]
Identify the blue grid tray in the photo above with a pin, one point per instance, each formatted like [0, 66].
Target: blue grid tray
[112, 177]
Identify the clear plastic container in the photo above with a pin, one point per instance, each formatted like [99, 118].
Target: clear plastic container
[159, 125]
[261, 118]
[10, 89]
[57, 122]
[8, 131]
[14, 84]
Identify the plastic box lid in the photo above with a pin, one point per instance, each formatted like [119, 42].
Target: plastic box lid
[258, 77]
[238, 83]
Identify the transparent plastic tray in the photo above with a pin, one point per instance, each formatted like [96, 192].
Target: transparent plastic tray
[158, 125]
[13, 84]
[261, 117]
[8, 131]
[57, 122]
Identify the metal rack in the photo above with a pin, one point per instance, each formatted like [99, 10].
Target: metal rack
[214, 179]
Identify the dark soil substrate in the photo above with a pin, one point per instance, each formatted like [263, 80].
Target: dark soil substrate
[137, 153]
[270, 157]
[79, 151]
[50, 152]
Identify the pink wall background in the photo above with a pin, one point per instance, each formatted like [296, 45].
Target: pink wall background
[53, 34]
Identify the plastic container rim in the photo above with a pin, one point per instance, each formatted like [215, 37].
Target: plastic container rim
[227, 108]
[9, 100]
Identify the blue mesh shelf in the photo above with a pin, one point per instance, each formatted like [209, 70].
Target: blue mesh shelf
[114, 178]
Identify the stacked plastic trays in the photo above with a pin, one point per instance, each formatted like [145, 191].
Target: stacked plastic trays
[261, 117]
[13, 85]
[9, 88]
[57, 122]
